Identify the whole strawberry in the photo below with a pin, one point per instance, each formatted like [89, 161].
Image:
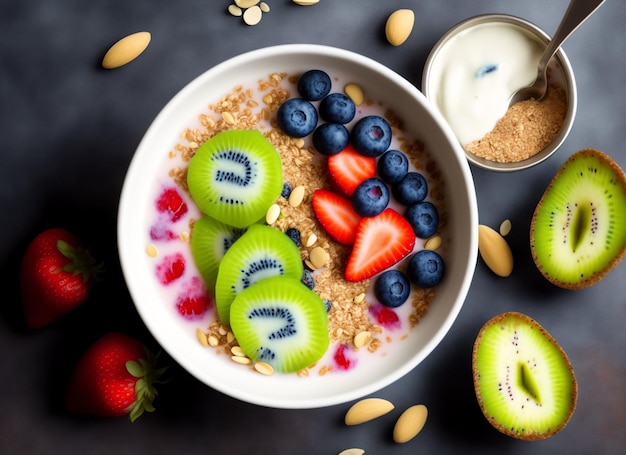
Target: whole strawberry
[115, 377]
[56, 276]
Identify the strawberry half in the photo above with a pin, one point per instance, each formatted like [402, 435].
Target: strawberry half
[114, 377]
[349, 168]
[56, 276]
[336, 215]
[381, 242]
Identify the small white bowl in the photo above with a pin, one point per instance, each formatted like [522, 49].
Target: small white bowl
[288, 390]
[561, 73]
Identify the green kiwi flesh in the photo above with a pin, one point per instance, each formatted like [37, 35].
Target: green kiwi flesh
[235, 176]
[210, 239]
[261, 252]
[281, 322]
[524, 381]
[578, 229]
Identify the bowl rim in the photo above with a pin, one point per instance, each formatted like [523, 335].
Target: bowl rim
[567, 72]
[125, 206]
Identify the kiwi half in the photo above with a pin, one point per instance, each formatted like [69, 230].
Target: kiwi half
[262, 252]
[578, 229]
[210, 239]
[235, 176]
[524, 381]
[281, 322]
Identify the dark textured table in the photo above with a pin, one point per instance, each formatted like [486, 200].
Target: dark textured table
[69, 130]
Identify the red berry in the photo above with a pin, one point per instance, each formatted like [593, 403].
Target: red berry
[194, 302]
[171, 203]
[342, 360]
[349, 168]
[336, 215]
[381, 242]
[56, 276]
[385, 316]
[170, 268]
[114, 377]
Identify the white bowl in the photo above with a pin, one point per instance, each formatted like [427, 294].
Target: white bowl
[422, 121]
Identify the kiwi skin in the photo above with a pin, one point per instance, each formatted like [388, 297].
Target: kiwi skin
[618, 203]
[527, 434]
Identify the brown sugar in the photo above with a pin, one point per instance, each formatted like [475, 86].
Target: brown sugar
[526, 129]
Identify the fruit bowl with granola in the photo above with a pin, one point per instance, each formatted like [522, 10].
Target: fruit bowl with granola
[298, 227]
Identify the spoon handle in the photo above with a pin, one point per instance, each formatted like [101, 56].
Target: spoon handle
[577, 12]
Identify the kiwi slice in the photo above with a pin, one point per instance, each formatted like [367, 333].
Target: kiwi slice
[235, 176]
[281, 322]
[524, 381]
[210, 240]
[262, 252]
[578, 229]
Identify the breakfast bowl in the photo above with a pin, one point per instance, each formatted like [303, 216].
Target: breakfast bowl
[475, 68]
[157, 217]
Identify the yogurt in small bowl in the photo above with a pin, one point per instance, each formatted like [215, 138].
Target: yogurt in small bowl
[472, 72]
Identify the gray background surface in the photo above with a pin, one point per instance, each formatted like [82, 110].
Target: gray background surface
[69, 130]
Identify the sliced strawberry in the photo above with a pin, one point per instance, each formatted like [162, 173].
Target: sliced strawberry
[348, 168]
[381, 241]
[171, 203]
[336, 215]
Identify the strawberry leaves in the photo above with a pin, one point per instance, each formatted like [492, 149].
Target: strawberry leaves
[81, 262]
[116, 376]
[145, 389]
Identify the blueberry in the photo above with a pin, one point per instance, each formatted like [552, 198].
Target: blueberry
[330, 138]
[337, 108]
[294, 234]
[393, 166]
[392, 288]
[297, 117]
[314, 85]
[307, 279]
[286, 190]
[371, 136]
[425, 269]
[370, 197]
[412, 189]
[423, 218]
[328, 305]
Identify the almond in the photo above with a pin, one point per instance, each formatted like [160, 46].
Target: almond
[410, 423]
[126, 50]
[366, 410]
[495, 251]
[355, 92]
[399, 26]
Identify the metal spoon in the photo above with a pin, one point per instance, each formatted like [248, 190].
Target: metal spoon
[577, 12]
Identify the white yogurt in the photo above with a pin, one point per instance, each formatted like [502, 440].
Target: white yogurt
[477, 71]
